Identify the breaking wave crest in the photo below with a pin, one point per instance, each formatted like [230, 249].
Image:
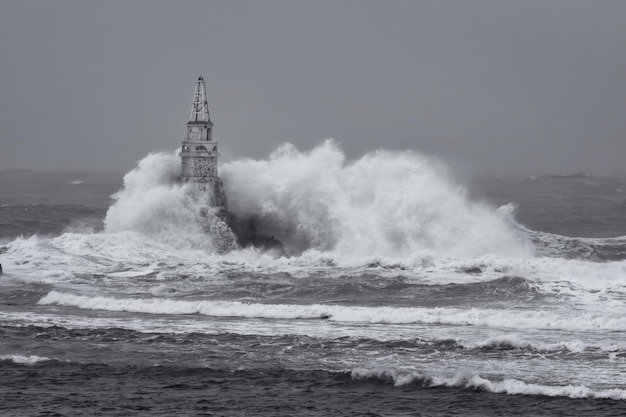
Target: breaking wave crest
[23, 360]
[518, 319]
[474, 381]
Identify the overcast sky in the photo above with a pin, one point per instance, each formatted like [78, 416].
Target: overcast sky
[522, 86]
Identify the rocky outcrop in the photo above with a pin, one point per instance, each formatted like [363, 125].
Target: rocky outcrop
[246, 234]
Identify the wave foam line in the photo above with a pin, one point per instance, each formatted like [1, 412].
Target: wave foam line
[474, 317]
[505, 386]
[24, 360]
[516, 342]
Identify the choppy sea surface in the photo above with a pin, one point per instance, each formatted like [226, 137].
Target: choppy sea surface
[402, 291]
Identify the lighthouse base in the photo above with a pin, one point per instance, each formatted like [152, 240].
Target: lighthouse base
[230, 232]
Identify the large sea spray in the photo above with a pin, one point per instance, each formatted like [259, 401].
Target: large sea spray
[390, 204]
[385, 204]
[155, 204]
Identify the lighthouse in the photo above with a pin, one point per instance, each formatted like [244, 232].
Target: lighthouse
[199, 152]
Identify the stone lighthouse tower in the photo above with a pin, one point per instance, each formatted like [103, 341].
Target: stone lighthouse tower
[199, 152]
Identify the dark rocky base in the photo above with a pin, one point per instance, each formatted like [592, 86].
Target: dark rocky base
[246, 233]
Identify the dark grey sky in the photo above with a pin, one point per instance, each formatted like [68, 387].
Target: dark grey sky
[528, 86]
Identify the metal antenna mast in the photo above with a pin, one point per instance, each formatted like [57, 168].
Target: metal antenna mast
[200, 107]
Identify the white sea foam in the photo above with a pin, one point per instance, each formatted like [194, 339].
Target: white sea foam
[507, 386]
[24, 360]
[128, 255]
[521, 319]
[517, 341]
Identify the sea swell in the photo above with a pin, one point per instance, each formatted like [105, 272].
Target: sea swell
[189, 379]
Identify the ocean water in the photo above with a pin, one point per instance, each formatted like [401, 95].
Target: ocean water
[403, 291]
